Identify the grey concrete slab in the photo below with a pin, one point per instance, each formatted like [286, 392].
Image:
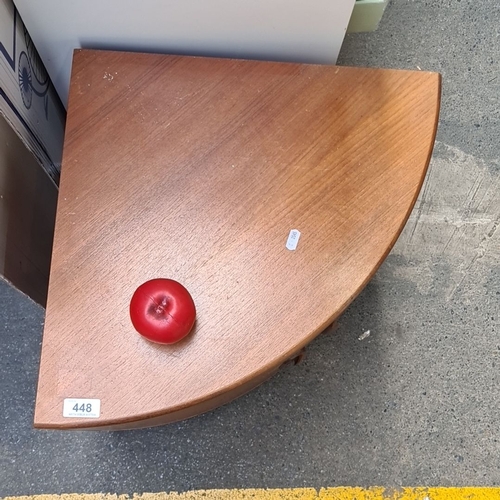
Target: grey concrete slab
[414, 403]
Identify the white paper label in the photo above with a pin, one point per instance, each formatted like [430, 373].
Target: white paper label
[293, 239]
[81, 408]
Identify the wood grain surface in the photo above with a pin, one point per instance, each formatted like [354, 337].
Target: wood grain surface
[196, 169]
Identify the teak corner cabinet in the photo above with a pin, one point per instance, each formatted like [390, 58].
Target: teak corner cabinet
[197, 169]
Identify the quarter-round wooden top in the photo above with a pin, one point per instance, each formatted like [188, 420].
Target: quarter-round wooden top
[197, 169]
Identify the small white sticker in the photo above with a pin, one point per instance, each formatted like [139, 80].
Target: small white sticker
[293, 239]
[81, 408]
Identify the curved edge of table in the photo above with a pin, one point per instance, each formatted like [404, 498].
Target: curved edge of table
[256, 378]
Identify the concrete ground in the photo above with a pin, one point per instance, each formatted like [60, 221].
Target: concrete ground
[415, 403]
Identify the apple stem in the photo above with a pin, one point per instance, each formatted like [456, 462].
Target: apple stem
[160, 308]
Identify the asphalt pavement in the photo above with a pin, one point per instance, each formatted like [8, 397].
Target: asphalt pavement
[415, 402]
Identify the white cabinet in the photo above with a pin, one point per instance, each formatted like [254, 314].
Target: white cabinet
[285, 30]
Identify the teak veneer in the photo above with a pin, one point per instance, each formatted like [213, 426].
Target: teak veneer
[197, 169]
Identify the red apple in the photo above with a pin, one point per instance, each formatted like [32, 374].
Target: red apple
[162, 310]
